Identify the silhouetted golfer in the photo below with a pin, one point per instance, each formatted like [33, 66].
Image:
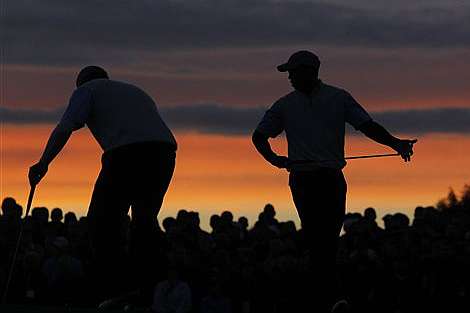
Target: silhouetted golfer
[137, 166]
[313, 117]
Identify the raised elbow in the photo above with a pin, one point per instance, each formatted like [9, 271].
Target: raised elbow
[258, 137]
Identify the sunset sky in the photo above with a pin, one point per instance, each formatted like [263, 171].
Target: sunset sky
[211, 67]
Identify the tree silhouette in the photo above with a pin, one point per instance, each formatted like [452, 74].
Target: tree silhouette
[452, 202]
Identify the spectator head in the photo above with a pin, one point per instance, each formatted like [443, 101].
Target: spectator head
[349, 220]
[262, 219]
[227, 217]
[287, 229]
[269, 211]
[56, 215]
[243, 222]
[419, 212]
[400, 220]
[169, 223]
[83, 220]
[214, 222]
[370, 214]
[89, 73]
[194, 219]
[10, 207]
[387, 221]
[19, 210]
[182, 217]
[70, 218]
[40, 214]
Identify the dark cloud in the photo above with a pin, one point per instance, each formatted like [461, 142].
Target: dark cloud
[213, 119]
[29, 116]
[442, 120]
[54, 32]
[217, 119]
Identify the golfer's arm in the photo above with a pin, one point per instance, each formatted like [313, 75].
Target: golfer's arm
[56, 142]
[261, 144]
[378, 133]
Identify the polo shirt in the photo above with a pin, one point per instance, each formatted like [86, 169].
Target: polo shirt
[314, 124]
[116, 113]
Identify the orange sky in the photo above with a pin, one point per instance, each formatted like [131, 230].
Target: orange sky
[415, 57]
[215, 173]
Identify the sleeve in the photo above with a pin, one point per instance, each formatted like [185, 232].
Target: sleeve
[355, 114]
[78, 110]
[272, 123]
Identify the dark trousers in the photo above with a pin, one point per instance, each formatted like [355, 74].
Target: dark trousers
[320, 199]
[136, 175]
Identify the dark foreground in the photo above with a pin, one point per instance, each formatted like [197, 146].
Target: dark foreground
[408, 266]
[63, 309]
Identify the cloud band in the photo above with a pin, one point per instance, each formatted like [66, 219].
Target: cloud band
[224, 120]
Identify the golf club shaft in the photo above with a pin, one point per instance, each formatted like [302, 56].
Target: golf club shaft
[305, 162]
[18, 242]
[371, 156]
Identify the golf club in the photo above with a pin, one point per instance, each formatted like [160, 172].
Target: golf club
[18, 242]
[371, 156]
[308, 162]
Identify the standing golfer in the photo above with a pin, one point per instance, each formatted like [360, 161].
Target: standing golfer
[137, 166]
[313, 117]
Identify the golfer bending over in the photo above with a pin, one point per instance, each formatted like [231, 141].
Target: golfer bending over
[137, 166]
[313, 117]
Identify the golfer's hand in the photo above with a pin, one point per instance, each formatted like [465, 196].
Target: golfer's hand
[405, 148]
[36, 173]
[280, 161]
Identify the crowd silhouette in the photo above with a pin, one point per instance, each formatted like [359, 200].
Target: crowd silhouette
[418, 265]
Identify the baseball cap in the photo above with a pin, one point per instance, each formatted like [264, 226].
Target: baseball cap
[302, 57]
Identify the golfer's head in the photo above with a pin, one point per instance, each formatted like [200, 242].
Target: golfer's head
[303, 67]
[89, 73]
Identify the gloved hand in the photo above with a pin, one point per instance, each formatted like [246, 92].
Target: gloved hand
[37, 172]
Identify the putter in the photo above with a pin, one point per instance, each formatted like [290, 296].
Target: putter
[18, 242]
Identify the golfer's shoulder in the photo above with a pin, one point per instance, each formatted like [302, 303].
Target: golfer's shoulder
[108, 85]
[333, 91]
[280, 105]
[94, 84]
[114, 89]
[286, 99]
